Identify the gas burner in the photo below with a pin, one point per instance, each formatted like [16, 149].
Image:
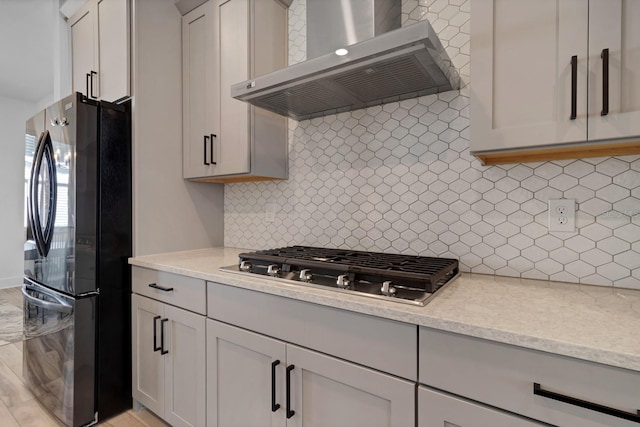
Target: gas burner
[404, 278]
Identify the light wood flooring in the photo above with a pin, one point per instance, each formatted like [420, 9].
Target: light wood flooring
[18, 407]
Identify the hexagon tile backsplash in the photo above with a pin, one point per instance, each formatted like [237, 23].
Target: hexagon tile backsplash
[400, 178]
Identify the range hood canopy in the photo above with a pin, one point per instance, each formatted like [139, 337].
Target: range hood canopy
[403, 63]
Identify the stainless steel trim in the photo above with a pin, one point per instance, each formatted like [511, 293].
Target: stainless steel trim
[420, 303]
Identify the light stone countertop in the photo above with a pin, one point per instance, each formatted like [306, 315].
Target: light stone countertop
[599, 324]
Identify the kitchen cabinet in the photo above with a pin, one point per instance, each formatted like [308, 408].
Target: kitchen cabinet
[224, 42]
[168, 352]
[569, 392]
[100, 47]
[338, 364]
[437, 409]
[201, 115]
[540, 73]
[254, 380]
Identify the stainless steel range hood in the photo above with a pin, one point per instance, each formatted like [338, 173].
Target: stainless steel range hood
[398, 64]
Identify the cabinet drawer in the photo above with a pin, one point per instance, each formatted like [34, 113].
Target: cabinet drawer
[503, 376]
[186, 292]
[436, 409]
[381, 344]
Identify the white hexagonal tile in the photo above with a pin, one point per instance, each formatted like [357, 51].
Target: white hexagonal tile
[548, 266]
[596, 257]
[613, 245]
[613, 193]
[563, 182]
[580, 268]
[548, 242]
[548, 170]
[612, 167]
[520, 241]
[578, 169]
[595, 207]
[579, 244]
[507, 252]
[628, 259]
[629, 233]
[534, 183]
[595, 181]
[613, 271]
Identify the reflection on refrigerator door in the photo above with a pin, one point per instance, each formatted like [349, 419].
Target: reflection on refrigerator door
[58, 352]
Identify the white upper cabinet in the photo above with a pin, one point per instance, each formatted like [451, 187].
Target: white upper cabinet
[537, 78]
[100, 49]
[224, 42]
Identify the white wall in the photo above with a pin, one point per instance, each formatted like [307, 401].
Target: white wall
[13, 115]
[170, 214]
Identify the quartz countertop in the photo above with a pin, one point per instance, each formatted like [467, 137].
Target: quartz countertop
[599, 324]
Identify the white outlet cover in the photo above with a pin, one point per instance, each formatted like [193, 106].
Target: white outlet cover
[562, 215]
[270, 212]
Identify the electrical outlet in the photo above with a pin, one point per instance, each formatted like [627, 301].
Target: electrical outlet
[270, 212]
[562, 215]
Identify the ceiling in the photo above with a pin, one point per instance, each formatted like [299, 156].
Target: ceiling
[26, 49]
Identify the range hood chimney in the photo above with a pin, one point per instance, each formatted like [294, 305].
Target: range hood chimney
[383, 62]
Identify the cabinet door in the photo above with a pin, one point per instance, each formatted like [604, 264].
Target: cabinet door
[148, 363]
[521, 54]
[330, 392]
[84, 48]
[245, 373]
[613, 25]
[185, 368]
[113, 49]
[440, 410]
[233, 16]
[200, 91]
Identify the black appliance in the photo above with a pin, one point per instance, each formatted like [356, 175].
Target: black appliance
[77, 283]
[403, 278]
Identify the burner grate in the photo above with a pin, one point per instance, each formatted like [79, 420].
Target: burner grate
[420, 272]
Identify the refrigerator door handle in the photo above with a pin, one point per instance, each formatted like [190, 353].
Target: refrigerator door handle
[44, 153]
[61, 306]
[33, 225]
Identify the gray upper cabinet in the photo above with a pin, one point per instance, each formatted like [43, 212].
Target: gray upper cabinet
[100, 47]
[224, 42]
[200, 109]
[543, 87]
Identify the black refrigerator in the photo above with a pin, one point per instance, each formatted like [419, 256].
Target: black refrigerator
[77, 282]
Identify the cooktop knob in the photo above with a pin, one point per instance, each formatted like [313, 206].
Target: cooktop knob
[343, 281]
[387, 288]
[245, 266]
[273, 270]
[305, 275]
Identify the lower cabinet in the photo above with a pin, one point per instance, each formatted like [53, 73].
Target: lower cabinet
[169, 361]
[437, 409]
[553, 389]
[254, 380]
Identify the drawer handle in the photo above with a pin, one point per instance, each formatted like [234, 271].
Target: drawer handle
[537, 389]
[160, 288]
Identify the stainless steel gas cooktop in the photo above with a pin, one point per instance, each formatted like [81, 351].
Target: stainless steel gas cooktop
[408, 279]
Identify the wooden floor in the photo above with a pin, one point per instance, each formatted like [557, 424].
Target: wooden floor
[18, 407]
